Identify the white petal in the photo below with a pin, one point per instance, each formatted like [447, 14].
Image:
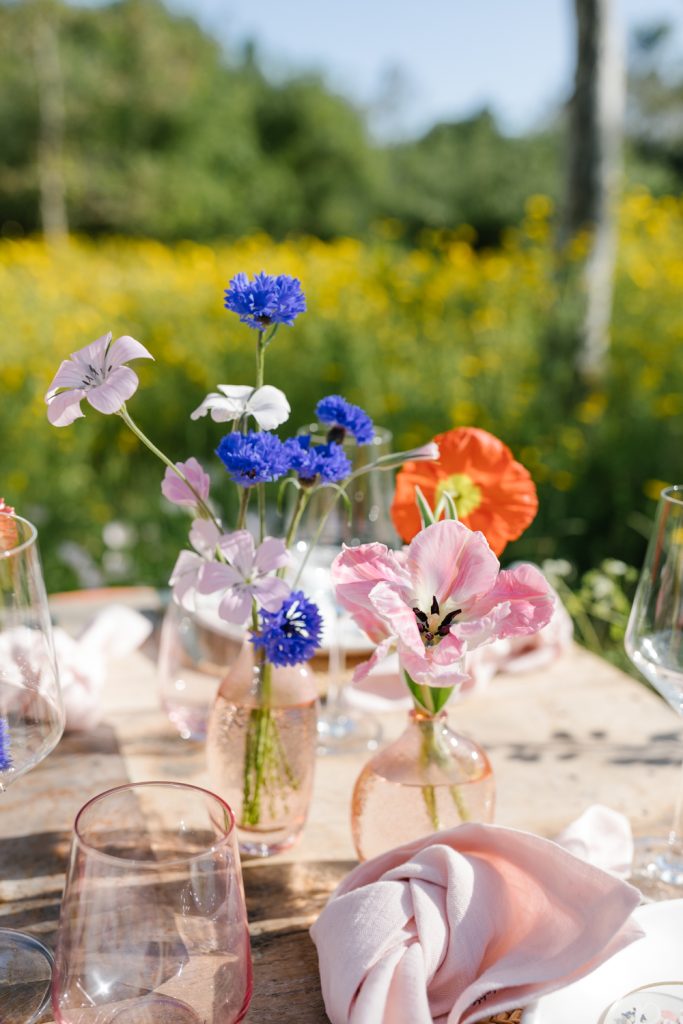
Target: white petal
[93, 355]
[269, 407]
[222, 409]
[238, 548]
[236, 606]
[271, 554]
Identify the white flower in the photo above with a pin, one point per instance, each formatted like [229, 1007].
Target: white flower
[268, 405]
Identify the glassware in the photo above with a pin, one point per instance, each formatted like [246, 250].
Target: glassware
[31, 724]
[328, 524]
[654, 643]
[195, 649]
[261, 750]
[429, 779]
[153, 928]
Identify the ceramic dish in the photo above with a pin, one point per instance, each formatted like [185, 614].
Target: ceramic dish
[643, 983]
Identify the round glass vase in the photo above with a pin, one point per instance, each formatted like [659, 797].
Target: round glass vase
[430, 778]
[261, 745]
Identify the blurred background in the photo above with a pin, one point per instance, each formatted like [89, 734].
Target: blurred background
[482, 203]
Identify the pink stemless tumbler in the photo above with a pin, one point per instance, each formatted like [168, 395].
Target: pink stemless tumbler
[153, 928]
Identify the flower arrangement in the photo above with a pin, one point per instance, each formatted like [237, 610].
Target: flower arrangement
[247, 572]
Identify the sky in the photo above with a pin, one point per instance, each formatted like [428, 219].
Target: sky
[413, 63]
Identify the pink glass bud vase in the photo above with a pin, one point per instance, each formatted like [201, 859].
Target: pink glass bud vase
[431, 778]
[261, 747]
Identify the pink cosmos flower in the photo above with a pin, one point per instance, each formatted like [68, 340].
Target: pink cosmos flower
[176, 490]
[247, 576]
[96, 373]
[438, 599]
[204, 538]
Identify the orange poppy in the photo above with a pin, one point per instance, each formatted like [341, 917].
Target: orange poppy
[492, 491]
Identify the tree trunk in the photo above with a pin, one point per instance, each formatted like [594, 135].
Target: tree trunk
[51, 125]
[595, 134]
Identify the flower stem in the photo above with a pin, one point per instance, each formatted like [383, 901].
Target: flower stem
[244, 504]
[132, 425]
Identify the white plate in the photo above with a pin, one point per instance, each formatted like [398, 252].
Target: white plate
[655, 961]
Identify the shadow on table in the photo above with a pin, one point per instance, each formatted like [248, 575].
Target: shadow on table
[283, 900]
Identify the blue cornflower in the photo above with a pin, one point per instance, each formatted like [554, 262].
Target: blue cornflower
[291, 634]
[5, 759]
[253, 458]
[327, 461]
[343, 416]
[265, 300]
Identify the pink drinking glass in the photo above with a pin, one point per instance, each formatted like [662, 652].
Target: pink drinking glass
[153, 928]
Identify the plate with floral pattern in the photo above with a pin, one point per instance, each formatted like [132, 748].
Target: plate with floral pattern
[642, 984]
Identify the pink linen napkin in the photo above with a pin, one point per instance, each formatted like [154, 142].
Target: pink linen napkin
[114, 633]
[461, 924]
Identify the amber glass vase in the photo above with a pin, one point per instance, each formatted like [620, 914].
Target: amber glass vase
[430, 778]
[261, 746]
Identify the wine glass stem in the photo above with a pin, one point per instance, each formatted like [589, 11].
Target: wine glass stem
[676, 833]
[337, 663]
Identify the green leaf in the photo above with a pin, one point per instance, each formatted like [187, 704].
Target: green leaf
[424, 508]
[447, 505]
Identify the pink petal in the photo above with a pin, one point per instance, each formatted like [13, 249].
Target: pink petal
[204, 537]
[69, 375]
[238, 548]
[236, 606]
[424, 670]
[399, 617]
[109, 396]
[270, 592]
[217, 576]
[356, 571]
[271, 554]
[528, 597]
[176, 491]
[93, 355]
[125, 348]
[379, 654]
[64, 408]
[184, 577]
[447, 560]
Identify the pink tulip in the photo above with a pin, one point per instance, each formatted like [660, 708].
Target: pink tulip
[439, 599]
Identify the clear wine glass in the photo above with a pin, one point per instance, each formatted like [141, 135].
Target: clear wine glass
[153, 927]
[654, 643]
[341, 728]
[31, 724]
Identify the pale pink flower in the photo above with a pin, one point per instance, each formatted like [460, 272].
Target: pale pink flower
[247, 575]
[442, 597]
[96, 373]
[176, 490]
[268, 405]
[204, 538]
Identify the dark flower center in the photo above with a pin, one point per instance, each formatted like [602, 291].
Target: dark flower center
[433, 628]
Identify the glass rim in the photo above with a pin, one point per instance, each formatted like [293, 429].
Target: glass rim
[159, 783]
[673, 493]
[31, 539]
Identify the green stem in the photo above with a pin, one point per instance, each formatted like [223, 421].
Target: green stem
[245, 493]
[132, 425]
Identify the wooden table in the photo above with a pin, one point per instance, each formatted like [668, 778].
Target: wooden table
[560, 739]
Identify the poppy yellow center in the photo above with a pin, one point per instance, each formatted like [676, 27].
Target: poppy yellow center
[464, 492]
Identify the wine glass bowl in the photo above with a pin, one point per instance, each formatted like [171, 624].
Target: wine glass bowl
[654, 643]
[153, 927]
[31, 724]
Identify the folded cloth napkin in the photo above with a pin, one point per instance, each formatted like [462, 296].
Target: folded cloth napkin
[114, 633]
[464, 923]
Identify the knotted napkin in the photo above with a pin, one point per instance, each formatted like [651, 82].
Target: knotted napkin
[464, 923]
